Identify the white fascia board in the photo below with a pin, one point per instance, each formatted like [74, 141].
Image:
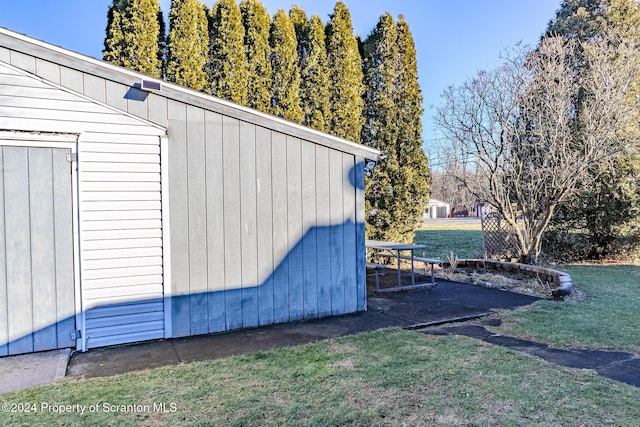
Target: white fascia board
[189, 96]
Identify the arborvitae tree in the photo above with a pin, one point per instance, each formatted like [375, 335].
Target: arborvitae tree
[162, 44]
[314, 73]
[285, 101]
[257, 24]
[625, 16]
[228, 69]
[579, 19]
[414, 170]
[345, 76]
[134, 36]
[301, 25]
[114, 40]
[398, 189]
[381, 130]
[188, 44]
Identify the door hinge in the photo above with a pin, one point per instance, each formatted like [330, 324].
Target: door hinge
[76, 335]
[71, 158]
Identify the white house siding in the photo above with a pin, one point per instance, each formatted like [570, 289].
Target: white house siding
[121, 232]
[118, 201]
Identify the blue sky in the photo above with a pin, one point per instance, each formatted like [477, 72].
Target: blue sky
[454, 38]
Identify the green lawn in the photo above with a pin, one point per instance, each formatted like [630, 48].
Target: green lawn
[606, 317]
[389, 377]
[462, 238]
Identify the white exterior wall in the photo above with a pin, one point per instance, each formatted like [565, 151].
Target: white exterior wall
[119, 262]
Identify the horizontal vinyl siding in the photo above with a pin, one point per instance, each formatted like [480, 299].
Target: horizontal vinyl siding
[120, 224]
[24, 98]
[114, 324]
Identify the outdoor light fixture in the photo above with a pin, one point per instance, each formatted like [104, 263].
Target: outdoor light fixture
[368, 167]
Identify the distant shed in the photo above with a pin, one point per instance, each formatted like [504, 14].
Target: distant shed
[178, 214]
[437, 209]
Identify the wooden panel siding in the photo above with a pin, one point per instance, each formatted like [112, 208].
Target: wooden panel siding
[69, 78]
[323, 235]
[23, 61]
[4, 304]
[349, 276]
[248, 221]
[178, 205]
[197, 205]
[42, 221]
[48, 71]
[115, 95]
[309, 225]
[248, 210]
[94, 87]
[214, 176]
[269, 239]
[36, 260]
[336, 181]
[18, 251]
[361, 252]
[280, 270]
[232, 234]
[264, 225]
[63, 248]
[295, 229]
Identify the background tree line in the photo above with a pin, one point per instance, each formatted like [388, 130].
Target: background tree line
[302, 70]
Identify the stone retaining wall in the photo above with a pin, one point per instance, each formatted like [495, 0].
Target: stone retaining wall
[562, 281]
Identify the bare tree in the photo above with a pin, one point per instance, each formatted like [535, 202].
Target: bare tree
[536, 128]
[446, 186]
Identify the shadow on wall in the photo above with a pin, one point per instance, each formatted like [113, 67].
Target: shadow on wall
[322, 275]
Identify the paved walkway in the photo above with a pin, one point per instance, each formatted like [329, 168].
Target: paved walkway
[619, 366]
[449, 301]
[422, 310]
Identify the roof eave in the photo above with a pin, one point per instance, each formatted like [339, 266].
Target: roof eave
[48, 52]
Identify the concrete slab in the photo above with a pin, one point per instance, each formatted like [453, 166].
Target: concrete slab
[30, 370]
[515, 343]
[103, 362]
